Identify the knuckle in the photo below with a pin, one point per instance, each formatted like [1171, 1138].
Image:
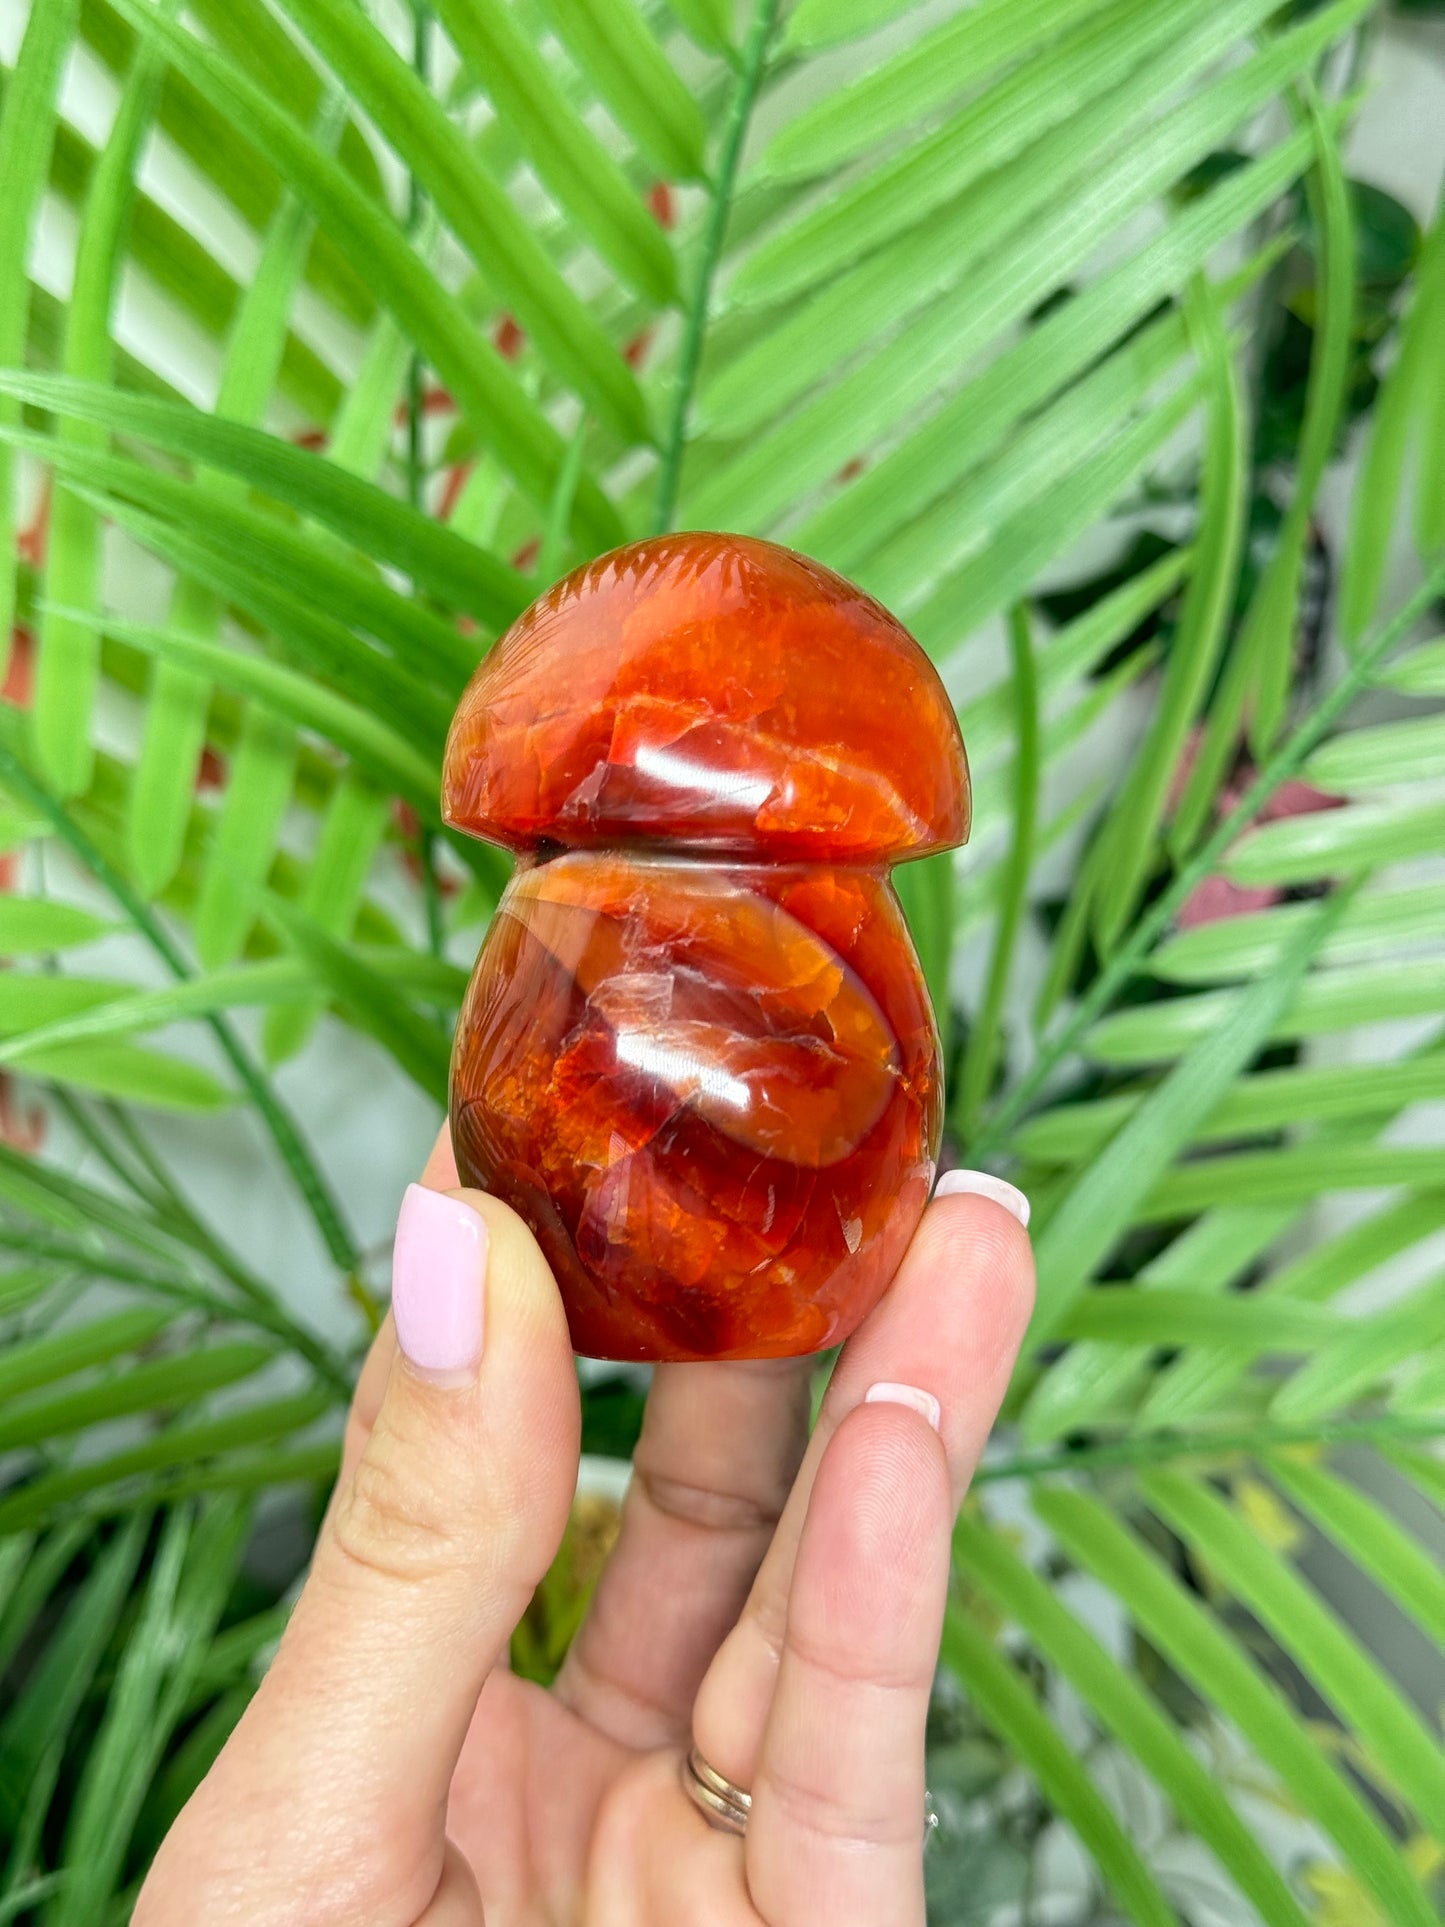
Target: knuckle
[388, 1525]
[766, 1613]
[590, 1678]
[810, 1805]
[301, 1858]
[706, 1506]
[634, 1850]
[862, 1668]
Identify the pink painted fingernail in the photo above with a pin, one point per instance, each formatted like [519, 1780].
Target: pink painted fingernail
[913, 1396]
[438, 1270]
[982, 1184]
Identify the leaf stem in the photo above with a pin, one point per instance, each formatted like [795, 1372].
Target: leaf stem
[177, 1216]
[19, 1900]
[416, 207]
[1159, 1448]
[260, 1314]
[167, 1199]
[436, 935]
[297, 1158]
[1130, 955]
[983, 1044]
[415, 468]
[750, 74]
[86, 1127]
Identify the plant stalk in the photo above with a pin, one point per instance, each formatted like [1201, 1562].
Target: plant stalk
[1160, 1448]
[1148, 928]
[982, 1052]
[416, 207]
[750, 74]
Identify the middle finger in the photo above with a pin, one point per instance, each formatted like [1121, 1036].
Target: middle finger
[719, 1449]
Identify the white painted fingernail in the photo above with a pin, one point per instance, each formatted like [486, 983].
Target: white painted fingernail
[913, 1396]
[982, 1184]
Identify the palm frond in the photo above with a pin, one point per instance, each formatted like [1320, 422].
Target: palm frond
[939, 323]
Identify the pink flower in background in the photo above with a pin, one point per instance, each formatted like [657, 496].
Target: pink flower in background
[22, 1126]
[635, 353]
[663, 208]
[16, 688]
[1217, 897]
[210, 771]
[1297, 799]
[408, 824]
[508, 338]
[451, 494]
[20, 675]
[19, 680]
[434, 400]
[31, 542]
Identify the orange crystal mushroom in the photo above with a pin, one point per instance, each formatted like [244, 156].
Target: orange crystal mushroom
[697, 1053]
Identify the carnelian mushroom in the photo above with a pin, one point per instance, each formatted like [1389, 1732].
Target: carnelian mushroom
[697, 1053]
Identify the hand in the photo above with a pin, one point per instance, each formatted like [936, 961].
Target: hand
[778, 1598]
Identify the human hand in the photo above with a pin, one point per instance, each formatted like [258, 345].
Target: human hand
[776, 1598]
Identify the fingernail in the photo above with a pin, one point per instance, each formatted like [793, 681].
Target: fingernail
[913, 1396]
[981, 1184]
[438, 1267]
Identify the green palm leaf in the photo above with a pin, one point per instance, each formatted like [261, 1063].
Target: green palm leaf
[941, 295]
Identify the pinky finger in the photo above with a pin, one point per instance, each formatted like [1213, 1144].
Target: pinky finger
[836, 1829]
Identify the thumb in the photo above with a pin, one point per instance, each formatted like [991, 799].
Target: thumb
[457, 1504]
[432, 1549]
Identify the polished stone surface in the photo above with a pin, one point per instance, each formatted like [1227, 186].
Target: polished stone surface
[712, 693]
[705, 1072]
[711, 1089]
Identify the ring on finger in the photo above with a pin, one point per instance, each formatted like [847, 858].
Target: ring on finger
[721, 1803]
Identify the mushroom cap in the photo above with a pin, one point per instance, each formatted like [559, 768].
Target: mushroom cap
[714, 694]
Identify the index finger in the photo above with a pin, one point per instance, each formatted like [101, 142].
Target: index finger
[836, 1827]
[439, 1173]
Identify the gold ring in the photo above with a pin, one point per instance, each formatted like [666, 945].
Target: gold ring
[726, 1806]
[721, 1804]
